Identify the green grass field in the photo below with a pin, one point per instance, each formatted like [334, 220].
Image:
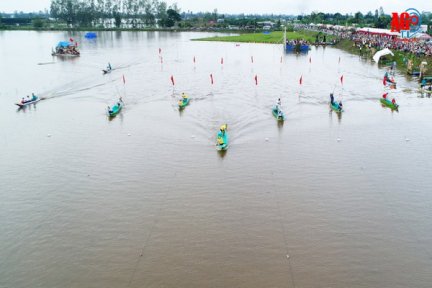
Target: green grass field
[273, 37]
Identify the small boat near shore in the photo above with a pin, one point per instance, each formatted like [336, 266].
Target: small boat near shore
[387, 103]
[296, 48]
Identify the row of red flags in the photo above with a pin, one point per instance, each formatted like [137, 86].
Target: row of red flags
[252, 60]
[255, 78]
[222, 60]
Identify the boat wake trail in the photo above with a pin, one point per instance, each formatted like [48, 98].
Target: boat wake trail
[46, 63]
[73, 88]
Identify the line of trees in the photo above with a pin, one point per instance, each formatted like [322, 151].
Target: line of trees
[156, 13]
[131, 12]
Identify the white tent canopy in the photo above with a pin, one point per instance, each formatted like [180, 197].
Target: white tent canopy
[381, 53]
[377, 31]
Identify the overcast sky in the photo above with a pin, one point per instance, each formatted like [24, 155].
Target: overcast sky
[258, 6]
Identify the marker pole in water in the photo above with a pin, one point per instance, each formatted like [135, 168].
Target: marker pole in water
[341, 80]
[124, 85]
[252, 59]
[173, 84]
[256, 80]
[300, 83]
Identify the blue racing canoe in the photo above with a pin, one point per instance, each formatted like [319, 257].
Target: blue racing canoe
[335, 107]
[222, 139]
[278, 117]
[114, 110]
[182, 103]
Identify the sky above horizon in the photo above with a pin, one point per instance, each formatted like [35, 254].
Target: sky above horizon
[290, 7]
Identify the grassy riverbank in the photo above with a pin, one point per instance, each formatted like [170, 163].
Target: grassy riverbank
[273, 37]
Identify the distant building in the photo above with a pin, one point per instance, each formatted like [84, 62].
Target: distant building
[265, 23]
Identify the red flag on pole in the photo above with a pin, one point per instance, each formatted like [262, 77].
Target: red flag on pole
[124, 80]
[211, 79]
[256, 79]
[341, 79]
[172, 80]
[252, 59]
[222, 61]
[301, 80]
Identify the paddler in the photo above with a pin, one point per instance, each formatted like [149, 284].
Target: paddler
[393, 101]
[385, 95]
[280, 115]
[223, 128]
[278, 105]
[331, 98]
[386, 76]
[184, 97]
[109, 67]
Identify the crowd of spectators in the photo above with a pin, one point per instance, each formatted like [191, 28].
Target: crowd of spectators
[416, 46]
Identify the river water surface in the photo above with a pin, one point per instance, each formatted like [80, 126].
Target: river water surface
[145, 200]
